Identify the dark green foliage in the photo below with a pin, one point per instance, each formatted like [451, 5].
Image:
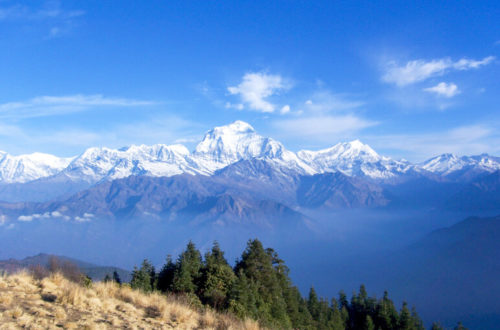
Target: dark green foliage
[116, 278]
[107, 278]
[460, 326]
[187, 270]
[436, 326]
[166, 275]
[144, 278]
[86, 281]
[259, 287]
[268, 278]
[216, 280]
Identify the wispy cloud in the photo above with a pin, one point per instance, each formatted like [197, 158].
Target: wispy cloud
[58, 105]
[420, 70]
[462, 140]
[444, 89]
[49, 17]
[70, 141]
[255, 89]
[324, 101]
[326, 128]
[50, 10]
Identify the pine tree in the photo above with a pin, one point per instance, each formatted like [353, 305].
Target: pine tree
[405, 319]
[460, 326]
[336, 321]
[166, 275]
[368, 324]
[217, 278]
[385, 314]
[436, 326]
[187, 270]
[143, 278]
[297, 309]
[266, 271]
[116, 278]
[107, 278]
[313, 304]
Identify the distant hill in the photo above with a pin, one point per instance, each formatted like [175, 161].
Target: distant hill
[483, 193]
[457, 268]
[95, 272]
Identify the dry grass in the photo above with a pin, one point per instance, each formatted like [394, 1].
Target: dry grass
[55, 302]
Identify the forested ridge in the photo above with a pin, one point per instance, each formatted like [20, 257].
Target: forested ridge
[259, 287]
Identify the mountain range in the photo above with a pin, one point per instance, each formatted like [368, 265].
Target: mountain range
[227, 145]
[237, 175]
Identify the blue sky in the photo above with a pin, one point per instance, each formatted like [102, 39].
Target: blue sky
[411, 79]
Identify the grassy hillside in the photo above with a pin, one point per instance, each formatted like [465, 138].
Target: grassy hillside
[55, 302]
[95, 272]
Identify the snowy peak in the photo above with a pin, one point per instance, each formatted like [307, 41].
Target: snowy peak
[354, 150]
[96, 164]
[226, 145]
[353, 159]
[29, 167]
[447, 164]
[236, 141]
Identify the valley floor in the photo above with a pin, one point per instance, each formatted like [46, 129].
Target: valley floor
[54, 303]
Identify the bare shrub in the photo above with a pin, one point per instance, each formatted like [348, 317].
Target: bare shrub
[66, 268]
[39, 272]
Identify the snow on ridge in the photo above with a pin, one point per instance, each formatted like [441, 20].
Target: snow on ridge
[220, 147]
[448, 163]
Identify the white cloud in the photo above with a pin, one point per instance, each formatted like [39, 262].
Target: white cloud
[85, 218]
[3, 219]
[285, 109]
[57, 105]
[420, 70]
[322, 128]
[25, 218]
[47, 16]
[325, 101]
[51, 11]
[466, 64]
[444, 89]
[256, 87]
[237, 106]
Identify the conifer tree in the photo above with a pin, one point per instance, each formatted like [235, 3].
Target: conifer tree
[217, 278]
[142, 278]
[405, 319]
[187, 270]
[107, 278]
[460, 326]
[336, 321]
[257, 265]
[313, 304]
[166, 275]
[436, 326]
[116, 278]
[368, 324]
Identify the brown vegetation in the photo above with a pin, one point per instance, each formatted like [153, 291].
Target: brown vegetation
[51, 302]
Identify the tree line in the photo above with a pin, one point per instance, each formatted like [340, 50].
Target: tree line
[259, 287]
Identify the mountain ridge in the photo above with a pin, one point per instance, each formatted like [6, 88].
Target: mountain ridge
[223, 146]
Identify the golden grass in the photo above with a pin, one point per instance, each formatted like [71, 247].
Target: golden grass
[55, 303]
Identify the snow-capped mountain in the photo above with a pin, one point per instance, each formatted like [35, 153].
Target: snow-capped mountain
[30, 167]
[353, 159]
[97, 164]
[226, 145]
[223, 146]
[219, 148]
[450, 165]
